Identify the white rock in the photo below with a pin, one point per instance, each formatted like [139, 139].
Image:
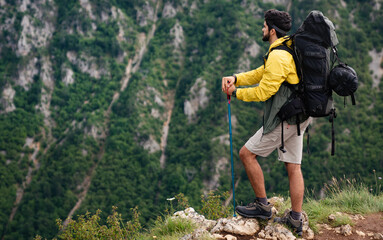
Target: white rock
[145, 14]
[277, 231]
[169, 11]
[198, 99]
[357, 217]
[210, 31]
[96, 132]
[158, 100]
[237, 226]
[213, 182]
[177, 33]
[344, 230]
[27, 73]
[223, 139]
[33, 36]
[23, 6]
[68, 76]
[375, 68]
[218, 236]
[192, 215]
[253, 49]
[230, 237]
[151, 145]
[88, 7]
[201, 234]
[360, 233]
[87, 64]
[310, 234]
[243, 64]
[331, 217]
[193, 8]
[7, 99]
[262, 234]
[46, 75]
[378, 236]
[155, 113]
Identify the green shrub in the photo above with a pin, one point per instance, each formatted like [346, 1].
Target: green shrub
[88, 227]
[213, 207]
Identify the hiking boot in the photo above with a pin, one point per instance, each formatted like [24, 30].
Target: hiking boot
[255, 210]
[296, 225]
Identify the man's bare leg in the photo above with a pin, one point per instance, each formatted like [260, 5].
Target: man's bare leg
[261, 209]
[254, 172]
[296, 186]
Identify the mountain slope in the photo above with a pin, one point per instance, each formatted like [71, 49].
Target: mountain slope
[118, 103]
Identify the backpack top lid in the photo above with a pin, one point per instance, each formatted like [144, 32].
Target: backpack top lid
[319, 25]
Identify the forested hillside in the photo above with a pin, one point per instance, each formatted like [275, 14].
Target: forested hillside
[119, 103]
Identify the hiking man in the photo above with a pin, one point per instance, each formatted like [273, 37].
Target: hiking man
[272, 78]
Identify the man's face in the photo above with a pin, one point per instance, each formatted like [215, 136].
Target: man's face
[266, 32]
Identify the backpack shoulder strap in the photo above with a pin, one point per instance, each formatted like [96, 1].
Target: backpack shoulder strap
[292, 52]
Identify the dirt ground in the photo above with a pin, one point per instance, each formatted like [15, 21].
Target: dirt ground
[373, 223]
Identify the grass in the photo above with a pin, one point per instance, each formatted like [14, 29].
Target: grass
[345, 196]
[169, 228]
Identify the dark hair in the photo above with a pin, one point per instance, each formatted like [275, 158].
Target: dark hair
[279, 20]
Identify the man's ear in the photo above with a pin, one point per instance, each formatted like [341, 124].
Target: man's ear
[272, 31]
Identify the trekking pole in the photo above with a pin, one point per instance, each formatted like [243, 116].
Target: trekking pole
[231, 154]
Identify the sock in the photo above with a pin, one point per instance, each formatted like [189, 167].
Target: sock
[295, 215]
[262, 200]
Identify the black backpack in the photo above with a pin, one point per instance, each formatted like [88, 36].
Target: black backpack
[314, 52]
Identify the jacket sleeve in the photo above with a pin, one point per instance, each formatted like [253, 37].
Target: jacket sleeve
[278, 67]
[250, 78]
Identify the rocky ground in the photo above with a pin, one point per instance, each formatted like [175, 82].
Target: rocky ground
[368, 226]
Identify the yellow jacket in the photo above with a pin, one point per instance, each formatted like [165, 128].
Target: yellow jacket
[279, 67]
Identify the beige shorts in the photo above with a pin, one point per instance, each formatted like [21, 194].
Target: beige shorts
[264, 145]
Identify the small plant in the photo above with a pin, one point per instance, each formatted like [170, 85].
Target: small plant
[182, 201]
[133, 227]
[341, 220]
[182, 204]
[213, 207]
[171, 226]
[378, 184]
[171, 210]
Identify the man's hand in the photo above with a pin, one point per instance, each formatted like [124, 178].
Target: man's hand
[228, 84]
[231, 90]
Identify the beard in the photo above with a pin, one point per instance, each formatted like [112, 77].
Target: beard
[266, 37]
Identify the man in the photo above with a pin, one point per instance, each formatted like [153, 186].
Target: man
[278, 69]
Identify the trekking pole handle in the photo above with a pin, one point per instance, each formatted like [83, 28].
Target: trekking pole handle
[228, 96]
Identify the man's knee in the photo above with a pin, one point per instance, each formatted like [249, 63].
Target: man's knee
[293, 169]
[246, 156]
[292, 166]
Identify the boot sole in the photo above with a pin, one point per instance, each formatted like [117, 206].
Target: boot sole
[295, 229]
[255, 216]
